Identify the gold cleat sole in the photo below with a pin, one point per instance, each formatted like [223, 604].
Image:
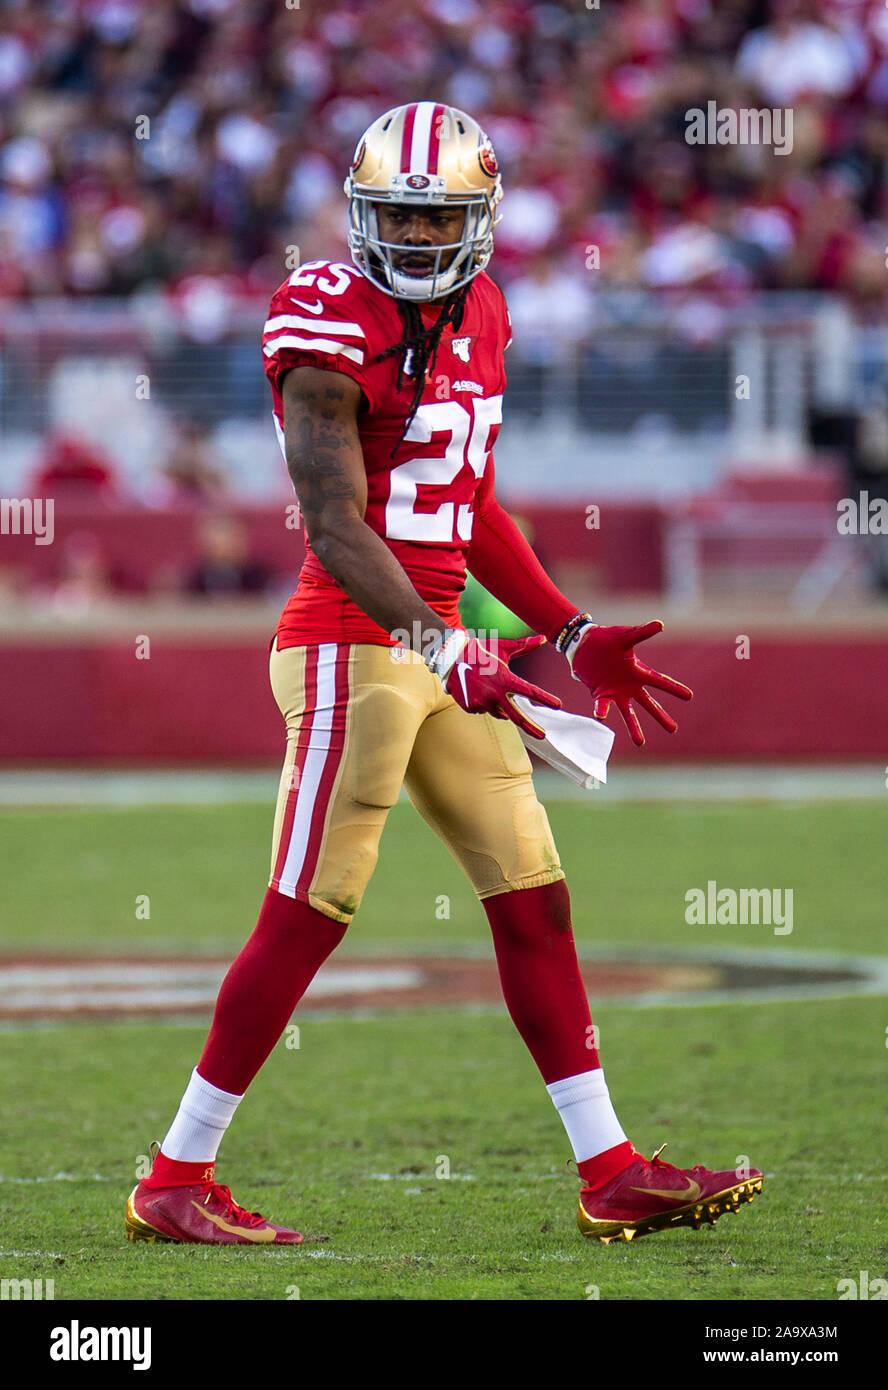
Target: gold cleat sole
[137, 1229]
[696, 1214]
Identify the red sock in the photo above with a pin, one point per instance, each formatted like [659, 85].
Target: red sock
[269, 977]
[598, 1171]
[540, 977]
[171, 1172]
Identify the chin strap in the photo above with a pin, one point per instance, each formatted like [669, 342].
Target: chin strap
[407, 287]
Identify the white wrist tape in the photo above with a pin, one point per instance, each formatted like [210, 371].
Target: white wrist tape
[570, 650]
[444, 656]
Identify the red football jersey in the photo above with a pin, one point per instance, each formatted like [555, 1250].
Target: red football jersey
[420, 487]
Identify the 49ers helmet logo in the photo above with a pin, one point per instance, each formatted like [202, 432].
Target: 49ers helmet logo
[487, 159]
[418, 181]
[359, 153]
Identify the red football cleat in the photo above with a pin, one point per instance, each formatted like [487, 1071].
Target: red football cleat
[202, 1214]
[651, 1195]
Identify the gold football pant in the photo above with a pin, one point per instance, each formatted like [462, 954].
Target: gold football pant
[360, 724]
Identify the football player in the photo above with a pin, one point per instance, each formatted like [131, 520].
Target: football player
[387, 380]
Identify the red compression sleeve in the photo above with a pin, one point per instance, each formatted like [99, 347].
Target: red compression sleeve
[501, 558]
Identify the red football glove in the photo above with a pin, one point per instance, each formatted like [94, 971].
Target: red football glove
[480, 681]
[603, 659]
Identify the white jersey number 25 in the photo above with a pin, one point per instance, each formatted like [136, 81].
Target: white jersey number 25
[469, 433]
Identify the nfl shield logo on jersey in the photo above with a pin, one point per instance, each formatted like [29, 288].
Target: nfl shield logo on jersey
[460, 348]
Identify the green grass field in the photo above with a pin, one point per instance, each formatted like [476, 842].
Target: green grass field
[342, 1137]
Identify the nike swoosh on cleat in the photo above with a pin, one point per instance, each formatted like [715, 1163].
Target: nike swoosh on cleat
[262, 1237]
[690, 1195]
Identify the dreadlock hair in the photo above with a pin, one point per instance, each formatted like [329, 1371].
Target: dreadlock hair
[419, 344]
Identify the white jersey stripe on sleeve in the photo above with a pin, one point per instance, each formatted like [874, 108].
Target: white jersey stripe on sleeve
[348, 330]
[354, 354]
[278, 429]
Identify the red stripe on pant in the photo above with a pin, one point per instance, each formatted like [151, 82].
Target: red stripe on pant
[311, 693]
[331, 767]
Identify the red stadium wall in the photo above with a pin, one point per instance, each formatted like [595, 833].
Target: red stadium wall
[143, 547]
[210, 702]
[804, 694]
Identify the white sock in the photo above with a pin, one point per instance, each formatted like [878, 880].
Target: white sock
[584, 1104]
[201, 1120]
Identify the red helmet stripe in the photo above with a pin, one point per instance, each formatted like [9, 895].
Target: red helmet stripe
[407, 138]
[435, 138]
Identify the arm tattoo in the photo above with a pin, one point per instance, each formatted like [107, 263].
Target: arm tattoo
[317, 438]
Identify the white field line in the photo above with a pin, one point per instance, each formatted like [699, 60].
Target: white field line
[428, 1178]
[356, 1259]
[429, 1260]
[61, 1177]
[33, 1254]
[414, 1177]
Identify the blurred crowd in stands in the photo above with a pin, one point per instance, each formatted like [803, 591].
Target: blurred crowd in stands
[176, 151]
[219, 561]
[254, 106]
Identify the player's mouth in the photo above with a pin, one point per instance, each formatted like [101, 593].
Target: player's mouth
[415, 265]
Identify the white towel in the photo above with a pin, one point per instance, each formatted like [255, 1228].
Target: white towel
[575, 744]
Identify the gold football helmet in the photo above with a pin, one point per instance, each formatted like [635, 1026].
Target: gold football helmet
[428, 154]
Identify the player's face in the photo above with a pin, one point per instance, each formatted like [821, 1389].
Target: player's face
[420, 230]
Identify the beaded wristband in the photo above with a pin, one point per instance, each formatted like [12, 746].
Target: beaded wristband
[569, 631]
